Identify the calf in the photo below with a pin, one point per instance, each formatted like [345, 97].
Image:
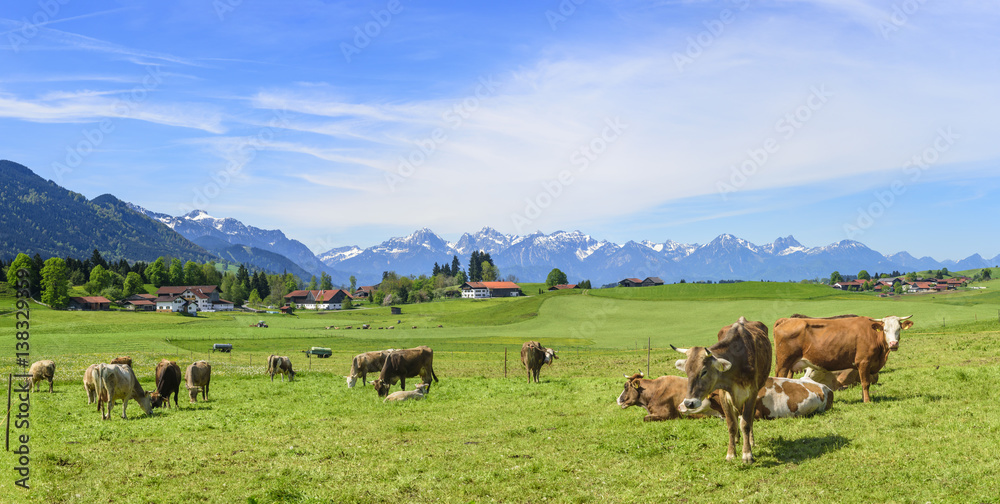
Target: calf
[405, 395]
[117, 381]
[533, 356]
[737, 365]
[197, 377]
[662, 397]
[368, 362]
[168, 381]
[835, 380]
[42, 370]
[280, 365]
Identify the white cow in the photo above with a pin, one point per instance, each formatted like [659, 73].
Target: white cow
[42, 370]
[405, 395]
[117, 381]
[197, 377]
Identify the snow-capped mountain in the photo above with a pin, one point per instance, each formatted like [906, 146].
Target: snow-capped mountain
[581, 256]
[198, 224]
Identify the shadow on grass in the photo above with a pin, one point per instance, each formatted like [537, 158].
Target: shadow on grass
[798, 450]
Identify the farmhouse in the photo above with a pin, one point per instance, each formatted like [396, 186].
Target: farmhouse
[484, 290]
[563, 287]
[317, 299]
[89, 303]
[140, 302]
[635, 282]
[191, 299]
[364, 292]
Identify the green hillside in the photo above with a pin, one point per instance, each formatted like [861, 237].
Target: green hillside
[39, 216]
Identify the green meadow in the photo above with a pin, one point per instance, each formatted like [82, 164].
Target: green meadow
[485, 435]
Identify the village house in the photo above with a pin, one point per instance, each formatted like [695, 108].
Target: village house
[364, 292]
[563, 287]
[89, 303]
[485, 290]
[331, 299]
[140, 302]
[635, 282]
[191, 299]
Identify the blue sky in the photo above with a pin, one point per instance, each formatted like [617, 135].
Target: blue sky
[346, 123]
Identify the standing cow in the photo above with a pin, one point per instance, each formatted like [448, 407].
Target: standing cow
[403, 364]
[662, 397]
[90, 386]
[117, 381]
[197, 377]
[42, 370]
[368, 362]
[280, 365]
[860, 343]
[533, 356]
[168, 381]
[738, 365]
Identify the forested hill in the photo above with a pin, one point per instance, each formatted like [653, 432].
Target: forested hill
[39, 216]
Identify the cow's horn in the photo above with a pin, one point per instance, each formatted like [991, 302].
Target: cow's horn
[681, 350]
[906, 317]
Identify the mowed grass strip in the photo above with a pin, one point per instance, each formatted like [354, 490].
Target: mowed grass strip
[479, 437]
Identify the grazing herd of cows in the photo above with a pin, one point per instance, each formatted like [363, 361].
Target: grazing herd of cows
[729, 379]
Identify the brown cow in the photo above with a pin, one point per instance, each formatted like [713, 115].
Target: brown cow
[860, 343]
[533, 356]
[835, 380]
[197, 377]
[403, 364]
[42, 370]
[125, 359]
[282, 365]
[662, 397]
[738, 365]
[368, 362]
[90, 386]
[168, 381]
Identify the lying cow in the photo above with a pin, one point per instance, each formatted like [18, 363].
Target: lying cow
[117, 381]
[403, 364]
[168, 381]
[405, 395]
[41, 370]
[368, 362]
[789, 397]
[197, 376]
[533, 356]
[122, 360]
[835, 380]
[280, 365]
[859, 343]
[661, 397]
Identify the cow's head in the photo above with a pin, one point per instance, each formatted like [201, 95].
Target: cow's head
[550, 354]
[145, 402]
[193, 393]
[381, 387]
[155, 399]
[632, 392]
[703, 371]
[892, 327]
[351, 381]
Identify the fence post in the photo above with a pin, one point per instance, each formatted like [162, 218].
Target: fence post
[649, 344]
[505, 362]
[10, 381]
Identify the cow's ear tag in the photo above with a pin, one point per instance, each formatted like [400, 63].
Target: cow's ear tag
[635, 384]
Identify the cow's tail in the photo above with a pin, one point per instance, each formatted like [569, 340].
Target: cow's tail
[102, 395]
[434, 375]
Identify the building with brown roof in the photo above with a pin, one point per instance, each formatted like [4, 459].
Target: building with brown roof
[485, 290]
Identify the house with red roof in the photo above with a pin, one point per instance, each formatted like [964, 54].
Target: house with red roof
[329, 299]
[191, 299]
[89, 303]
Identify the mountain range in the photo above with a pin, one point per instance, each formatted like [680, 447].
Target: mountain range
[40, 216]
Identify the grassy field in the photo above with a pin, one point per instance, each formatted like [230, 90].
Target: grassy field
[481, 437]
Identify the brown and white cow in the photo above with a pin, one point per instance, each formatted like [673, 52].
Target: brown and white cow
[117, 381]
[738, 365]
[662, 397]
[197, 377]
[790, 397]
[277, 364]
[860, 343]
[168, 381]
[835, 380]
[403, 364]
[42, 370]
[534, 356]
[368, 362]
